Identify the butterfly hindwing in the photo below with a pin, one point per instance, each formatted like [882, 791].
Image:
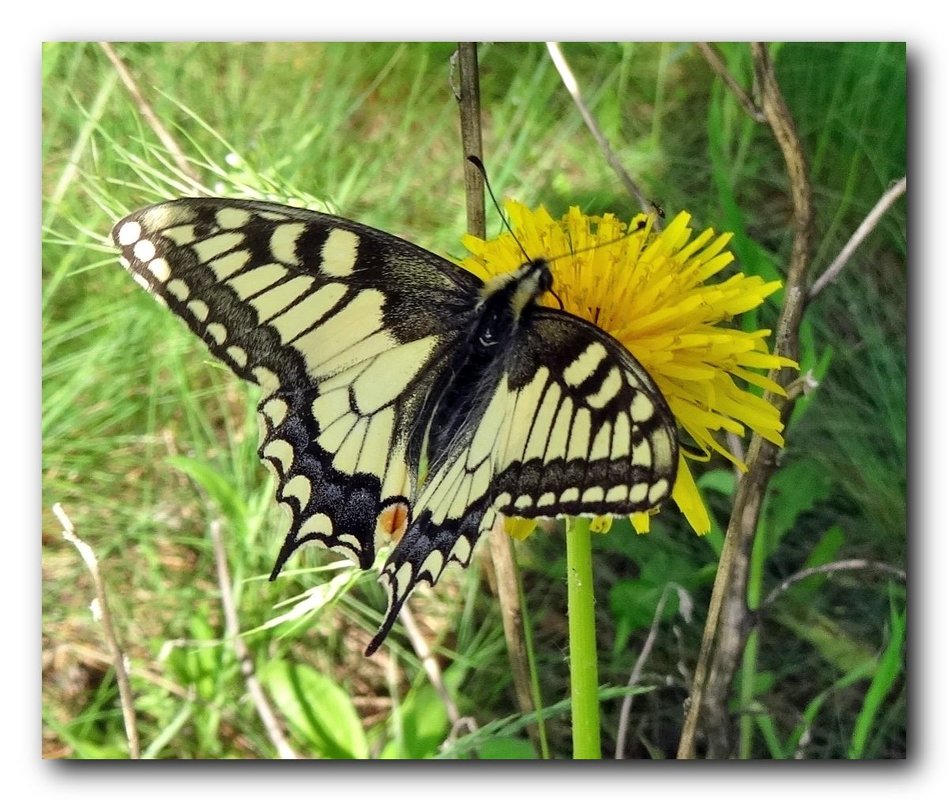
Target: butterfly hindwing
[572, 425]
[588, 431]
[343, 328]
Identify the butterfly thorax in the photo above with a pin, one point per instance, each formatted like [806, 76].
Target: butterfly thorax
[506, 302]
[518, 289]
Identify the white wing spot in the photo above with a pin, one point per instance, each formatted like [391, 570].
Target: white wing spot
[642, 408]
[579, 435]
[642, 454]
[275, 409]
[600, 446]
[226, 266]
[638, 492]
[621, 437]
[609, 389]
[211, 248]
[279, 451]
[593, 495]
[181, 234]
[199, 309]
[433, 564]
[257, 280]
[462, 550]
[141, 281]
[144, 250]
[239, 355]
[159, 268]
[546, 499]
[300, 488]
[339, 253]
[584, 365]
[266, 378]
[217, 331]
[178, 289]
[402, 578]
[283, 242]
[129, 233]
[318, 524]
[569, 495]
[658, 491]
[617, 494]
[232, 218]
[523, 502]
[350, 542]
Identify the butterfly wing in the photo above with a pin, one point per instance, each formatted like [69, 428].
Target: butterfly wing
[571, 425]
[345, 328]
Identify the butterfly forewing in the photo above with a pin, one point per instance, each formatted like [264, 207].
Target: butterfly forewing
[342, 326]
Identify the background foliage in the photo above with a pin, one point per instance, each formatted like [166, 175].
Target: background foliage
[145, 439]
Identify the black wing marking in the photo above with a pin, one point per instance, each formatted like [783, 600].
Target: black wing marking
[573, 426]
[345, 328]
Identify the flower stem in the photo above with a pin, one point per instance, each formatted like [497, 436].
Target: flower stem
[583, 668]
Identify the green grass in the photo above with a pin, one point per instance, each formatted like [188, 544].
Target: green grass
[146, 439]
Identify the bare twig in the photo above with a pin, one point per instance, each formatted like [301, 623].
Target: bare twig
[636, 674]
[572, 86]
[501, 550]
[145, 109]
[232, 633]
[469, 104]
[430, 664]
[728, 616]
[884, 203]
[103, 614]
[720, 69]
[829, 567]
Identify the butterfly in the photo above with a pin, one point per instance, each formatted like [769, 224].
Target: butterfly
[402, 397]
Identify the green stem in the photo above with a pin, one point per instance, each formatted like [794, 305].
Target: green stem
[583, 668]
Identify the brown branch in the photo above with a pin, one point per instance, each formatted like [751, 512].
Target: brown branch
[103, 614]
[572, 86]
[884, 203]
[428, 662]
[501, 548]
[637, 668]
[828, 568]
[145, 109]
[232, 633]
[728, 616]
[720, 69]
[469, 105]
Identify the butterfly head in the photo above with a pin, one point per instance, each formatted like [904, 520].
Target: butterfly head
[520, 288]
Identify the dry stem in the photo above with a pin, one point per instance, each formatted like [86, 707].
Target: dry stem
[105, 617]
[232, 632]
[145, 109]
[884, 203]
[728, 616]
[572, 86]
[501, 549]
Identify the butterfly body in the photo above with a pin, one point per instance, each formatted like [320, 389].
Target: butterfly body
[376, 357]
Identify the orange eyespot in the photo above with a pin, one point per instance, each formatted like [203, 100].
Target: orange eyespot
[393, 520]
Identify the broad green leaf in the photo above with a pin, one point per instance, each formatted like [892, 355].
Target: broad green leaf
[317, 710]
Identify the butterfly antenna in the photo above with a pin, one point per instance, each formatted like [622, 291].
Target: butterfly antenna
[479, 166]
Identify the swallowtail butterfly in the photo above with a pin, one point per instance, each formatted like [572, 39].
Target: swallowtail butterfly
[376, 357]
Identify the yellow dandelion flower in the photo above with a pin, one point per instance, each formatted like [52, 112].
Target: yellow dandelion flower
[652, 292]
